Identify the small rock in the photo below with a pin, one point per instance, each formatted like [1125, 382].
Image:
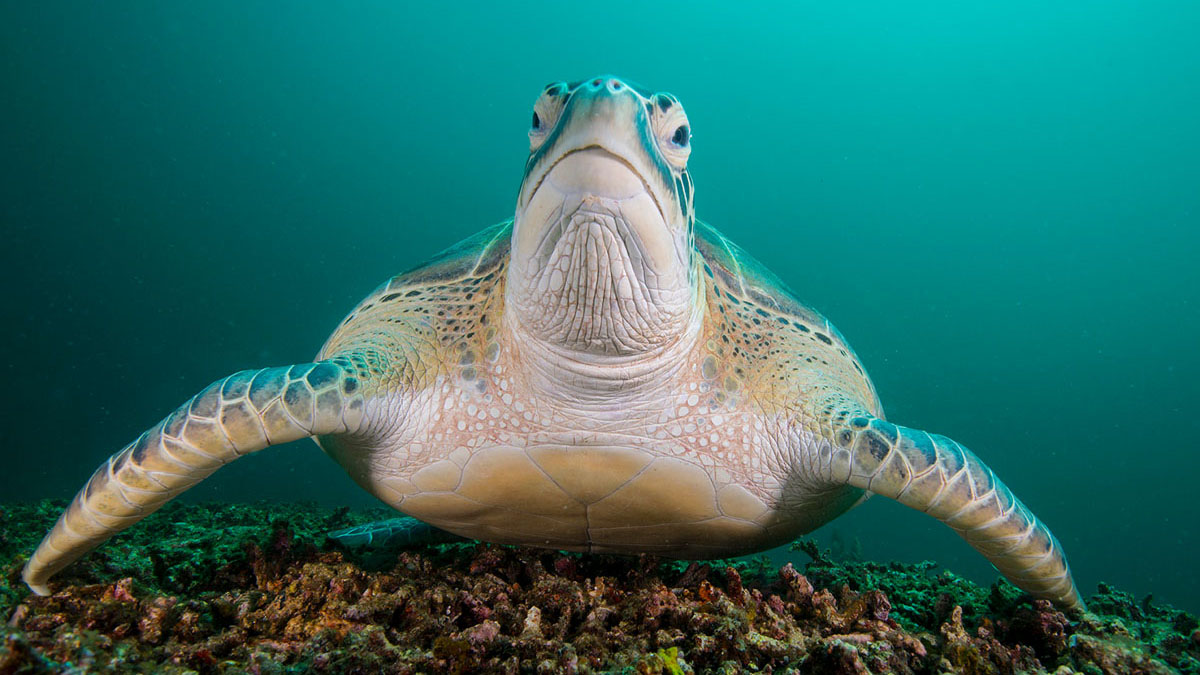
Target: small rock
[533, 624]
[483, 633]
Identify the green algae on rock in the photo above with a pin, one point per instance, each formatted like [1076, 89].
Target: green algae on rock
[267, 593]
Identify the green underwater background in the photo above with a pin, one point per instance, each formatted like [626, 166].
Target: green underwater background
[998, 204]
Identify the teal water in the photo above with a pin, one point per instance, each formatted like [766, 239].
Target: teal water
[998, 204]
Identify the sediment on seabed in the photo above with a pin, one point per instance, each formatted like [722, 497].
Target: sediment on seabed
[231, 588]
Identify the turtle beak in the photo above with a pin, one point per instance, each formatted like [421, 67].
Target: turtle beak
[600, 161]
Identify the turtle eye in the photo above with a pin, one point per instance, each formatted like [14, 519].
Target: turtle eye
[682, 136]
[672, 130]
[546, 112]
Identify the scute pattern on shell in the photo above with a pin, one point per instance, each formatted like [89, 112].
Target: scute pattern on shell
[776, 336]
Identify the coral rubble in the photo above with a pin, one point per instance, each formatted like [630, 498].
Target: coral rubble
[225, 588]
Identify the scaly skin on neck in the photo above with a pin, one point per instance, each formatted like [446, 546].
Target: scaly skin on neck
[602, 379]
[590, 287]
[589, 312]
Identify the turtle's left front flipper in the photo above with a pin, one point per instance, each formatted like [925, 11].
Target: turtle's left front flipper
[938, 476]
[235, 416]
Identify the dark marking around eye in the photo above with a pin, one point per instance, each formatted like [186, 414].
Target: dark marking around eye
[682, 136]
[537, 121]
[664, 103]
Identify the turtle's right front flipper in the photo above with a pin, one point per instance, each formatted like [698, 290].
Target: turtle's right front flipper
[235, 416]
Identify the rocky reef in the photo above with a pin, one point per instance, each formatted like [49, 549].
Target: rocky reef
[230, 588]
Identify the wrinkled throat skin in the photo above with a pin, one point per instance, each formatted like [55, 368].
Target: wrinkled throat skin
[596, 269]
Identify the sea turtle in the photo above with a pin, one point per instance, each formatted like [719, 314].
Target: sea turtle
[601, 373]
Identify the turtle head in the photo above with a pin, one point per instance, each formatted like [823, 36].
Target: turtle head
[602, 256]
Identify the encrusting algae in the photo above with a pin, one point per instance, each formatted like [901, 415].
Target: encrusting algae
[227, 588]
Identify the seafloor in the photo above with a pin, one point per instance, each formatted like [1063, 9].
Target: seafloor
[231, 588]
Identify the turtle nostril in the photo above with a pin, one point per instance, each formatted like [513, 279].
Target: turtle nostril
[615, 85]
[596, 82]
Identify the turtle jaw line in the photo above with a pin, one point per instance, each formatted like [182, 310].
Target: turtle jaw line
[592, 179]
[599, 149]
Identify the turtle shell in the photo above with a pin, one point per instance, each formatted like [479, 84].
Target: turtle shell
[483, 251]
[747, 282]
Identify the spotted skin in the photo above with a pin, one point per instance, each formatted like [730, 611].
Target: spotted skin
[758, 424]
[482, 455]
